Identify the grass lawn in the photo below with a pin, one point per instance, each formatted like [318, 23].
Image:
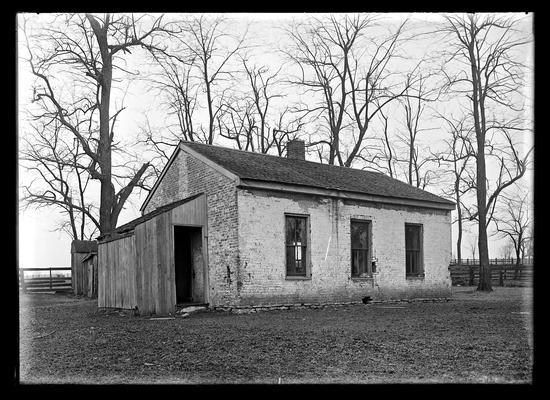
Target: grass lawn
[474, 338]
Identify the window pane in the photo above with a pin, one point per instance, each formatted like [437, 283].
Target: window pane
[412, 237]
[359, 260]
[413, 262]
[301, 230]
[354, 263]
[290, 260]
[362, 262]
[409, 264]
[290, 229]
[354, 235]
[363, 236]
[301, 264]
[298, 252]
[359, 235]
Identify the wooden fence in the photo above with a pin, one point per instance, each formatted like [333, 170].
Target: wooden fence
[52, 282]
[525, 261]
[504, 272]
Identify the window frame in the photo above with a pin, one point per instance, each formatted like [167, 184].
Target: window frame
[420, 268]
[307, 274]
[370, 272]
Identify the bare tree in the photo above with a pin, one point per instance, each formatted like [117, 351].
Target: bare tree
[414, 105]
[321, 51]
[492, 82]
[61, 180]
[176, 84]
[458, 154]
[474, 247]
[87, 52]
[507, 250]
[260, 84]
[530, 241]
[514, 223]
[382, 154]
[347, 67]
[388, 151]
[237, 121]
[200, 45]
[194, 77]
[252, 119]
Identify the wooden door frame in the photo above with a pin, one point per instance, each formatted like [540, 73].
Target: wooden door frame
[204, 252]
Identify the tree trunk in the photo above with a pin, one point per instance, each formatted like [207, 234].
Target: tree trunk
[411, 155]
[459, 239]
[459, 218]
[518, 264]
[485, 283]
[107, 202]
[107, 195]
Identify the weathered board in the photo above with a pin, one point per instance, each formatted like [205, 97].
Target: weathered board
[91, 269]
[101, 268]
[115, 274]
[79, 274]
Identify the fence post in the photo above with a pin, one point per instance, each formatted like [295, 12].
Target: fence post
[501, 278]
[50, 278]
[471, 283]
[22, 280]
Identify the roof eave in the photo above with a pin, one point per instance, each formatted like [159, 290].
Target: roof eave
[343, 194]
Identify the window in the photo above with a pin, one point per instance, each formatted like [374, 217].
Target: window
[296, 245]
[361, 259]
[413, 250]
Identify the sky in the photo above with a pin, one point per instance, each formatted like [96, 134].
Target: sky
[42, 244]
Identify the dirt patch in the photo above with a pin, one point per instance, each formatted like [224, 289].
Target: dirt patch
[475, 338]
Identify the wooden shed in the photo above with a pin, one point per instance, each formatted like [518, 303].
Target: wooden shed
[82, 251]
[156, 261]
[90, 265]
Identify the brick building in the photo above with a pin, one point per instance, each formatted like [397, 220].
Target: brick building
[234, 228]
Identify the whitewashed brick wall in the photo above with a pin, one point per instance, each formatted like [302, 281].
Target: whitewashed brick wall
[262, 251]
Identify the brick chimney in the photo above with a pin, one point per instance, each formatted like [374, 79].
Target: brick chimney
[296, 149]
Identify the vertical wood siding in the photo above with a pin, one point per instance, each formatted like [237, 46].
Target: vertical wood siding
[138, 270]
[91, 270]
[79, 274]
[101, 268]
[116, 271]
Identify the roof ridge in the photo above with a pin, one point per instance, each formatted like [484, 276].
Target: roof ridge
[284, 158]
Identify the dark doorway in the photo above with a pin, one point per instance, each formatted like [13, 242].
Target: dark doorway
[185, 244]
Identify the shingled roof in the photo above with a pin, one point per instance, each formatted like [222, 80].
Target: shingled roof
[262, 167]
[83, 246]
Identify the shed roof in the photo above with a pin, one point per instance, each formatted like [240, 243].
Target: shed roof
[83, 246]
[268, 168]
[130, 226]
